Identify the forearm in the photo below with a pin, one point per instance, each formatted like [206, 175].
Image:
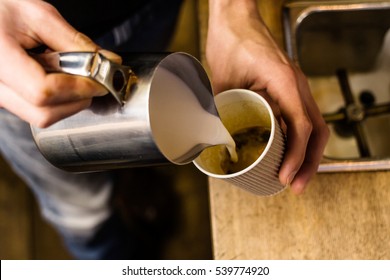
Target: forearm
[221, 10]
[240, 18]
[244, 6]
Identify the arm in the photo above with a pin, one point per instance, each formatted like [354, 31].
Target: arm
[25, 89]
[242, 53]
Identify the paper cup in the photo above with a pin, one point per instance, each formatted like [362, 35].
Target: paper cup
[242, 109]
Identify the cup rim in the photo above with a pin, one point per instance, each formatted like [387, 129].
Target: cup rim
[266, 149]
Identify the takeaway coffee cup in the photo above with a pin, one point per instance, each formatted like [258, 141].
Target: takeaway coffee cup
[259, 141]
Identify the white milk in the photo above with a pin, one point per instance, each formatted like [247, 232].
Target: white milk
[178, 120]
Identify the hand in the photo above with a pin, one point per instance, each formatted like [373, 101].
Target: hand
[241, 53]
[25, 88]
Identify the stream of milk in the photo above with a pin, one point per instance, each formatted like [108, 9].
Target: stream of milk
[178, 120]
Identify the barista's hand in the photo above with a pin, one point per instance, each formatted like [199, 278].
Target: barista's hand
[241, 53]
[25, 89]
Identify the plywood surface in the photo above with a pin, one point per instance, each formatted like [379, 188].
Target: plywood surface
[341, 216]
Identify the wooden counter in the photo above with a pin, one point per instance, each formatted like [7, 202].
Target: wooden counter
[340, 216]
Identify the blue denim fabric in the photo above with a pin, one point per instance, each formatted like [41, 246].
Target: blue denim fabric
[78, 205]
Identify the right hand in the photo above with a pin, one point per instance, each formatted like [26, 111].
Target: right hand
[26, 89]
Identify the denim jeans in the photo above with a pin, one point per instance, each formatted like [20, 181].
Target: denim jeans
[78, 205]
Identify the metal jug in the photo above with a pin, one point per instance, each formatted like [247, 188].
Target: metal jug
[117, 132]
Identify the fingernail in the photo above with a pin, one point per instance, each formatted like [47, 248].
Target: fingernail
[290, 178]
[111, 56]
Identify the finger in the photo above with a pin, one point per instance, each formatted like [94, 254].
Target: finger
[299, 126]
[298, 134]
[19, 71]
[310, 165]
[58, 34]
[28, 79]
[316, 144]
[66, 38]
[111, 56]
[63, 88]
[38, 116]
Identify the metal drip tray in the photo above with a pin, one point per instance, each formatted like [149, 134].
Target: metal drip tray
[344, 49]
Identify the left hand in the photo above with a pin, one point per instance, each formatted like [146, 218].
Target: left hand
[241, 53]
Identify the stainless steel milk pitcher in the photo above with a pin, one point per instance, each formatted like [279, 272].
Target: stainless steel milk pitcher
[116, 132]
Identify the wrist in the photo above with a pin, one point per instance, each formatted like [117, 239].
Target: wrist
[235, 15]
[225, 9]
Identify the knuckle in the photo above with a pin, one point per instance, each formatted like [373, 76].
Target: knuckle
[42, 10]
[324, 131]
[49, 9]
[84, 41]
[321, 133]
[306, 126]
[42, 119]
[38, 97]
[324, 128]
[290, 79]
[302, 77]
[288, 71]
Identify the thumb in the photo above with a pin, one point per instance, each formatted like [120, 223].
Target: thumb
[58, 35]
[67, 38]
[111, 56]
